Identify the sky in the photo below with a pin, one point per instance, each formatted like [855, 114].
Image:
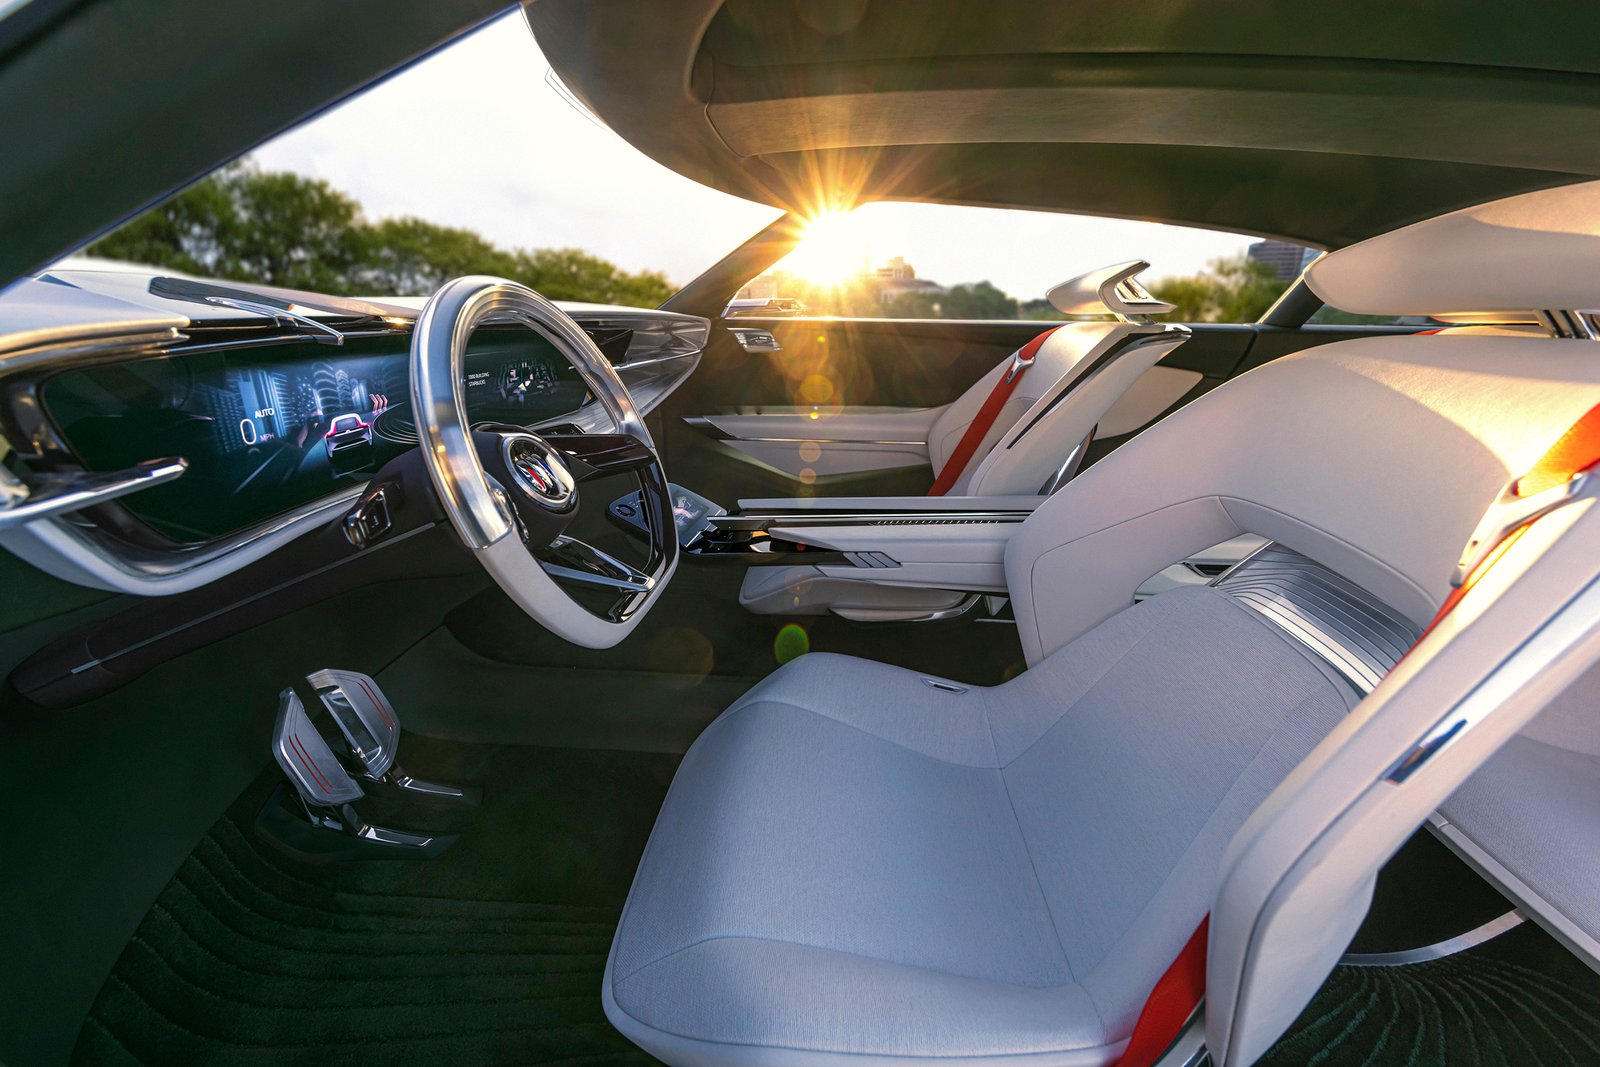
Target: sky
[474, 136]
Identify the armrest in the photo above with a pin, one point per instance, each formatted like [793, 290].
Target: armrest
[935, 554]
[848, 505]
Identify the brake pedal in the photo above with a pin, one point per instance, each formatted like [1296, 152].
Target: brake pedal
[327, 793]
[371, 728]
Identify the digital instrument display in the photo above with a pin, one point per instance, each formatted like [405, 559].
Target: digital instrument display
[266, 429]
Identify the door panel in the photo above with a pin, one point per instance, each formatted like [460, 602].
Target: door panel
[807, 444]
[888, 378]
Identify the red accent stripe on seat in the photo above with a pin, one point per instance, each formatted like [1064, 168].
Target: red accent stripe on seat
[1171, 1002]
[981, 423]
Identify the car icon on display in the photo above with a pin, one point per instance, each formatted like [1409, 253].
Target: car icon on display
[348, 441]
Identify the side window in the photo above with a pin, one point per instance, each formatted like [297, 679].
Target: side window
[942, 261]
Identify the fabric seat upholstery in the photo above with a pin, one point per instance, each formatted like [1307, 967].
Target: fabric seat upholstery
[854, 863]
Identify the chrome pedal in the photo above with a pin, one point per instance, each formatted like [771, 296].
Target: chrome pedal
[327, 794]
[371, 729]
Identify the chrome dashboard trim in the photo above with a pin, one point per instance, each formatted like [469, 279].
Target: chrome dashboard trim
[53, 494]
[87, 556]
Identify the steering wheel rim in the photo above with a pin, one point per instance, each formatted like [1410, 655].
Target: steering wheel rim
[481, 509]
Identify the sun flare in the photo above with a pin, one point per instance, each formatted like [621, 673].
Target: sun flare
[832, 250]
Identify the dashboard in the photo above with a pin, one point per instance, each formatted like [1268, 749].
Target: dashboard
[266, 429]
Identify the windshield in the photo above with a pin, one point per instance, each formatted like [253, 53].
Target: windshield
[470, 162]
[476, 161]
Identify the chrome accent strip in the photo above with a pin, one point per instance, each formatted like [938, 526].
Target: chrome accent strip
[953, 612]
[1567, 323]
[320, 332]
[54, 494]
[858, 518]
[1568, 625]
[754, 339]
[1069, 466]
[1342, 623]
[820, 441]
[1438, 951]
[1507, 513]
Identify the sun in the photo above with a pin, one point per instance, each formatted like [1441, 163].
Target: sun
[832, 250]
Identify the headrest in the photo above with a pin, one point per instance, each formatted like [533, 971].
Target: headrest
[1534, 251]
[1107, 290]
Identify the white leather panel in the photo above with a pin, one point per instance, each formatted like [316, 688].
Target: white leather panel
[1153, 392]
[1381, 478]
[1544, 247]
[807, 444]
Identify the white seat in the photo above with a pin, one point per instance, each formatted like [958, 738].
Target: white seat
[1080, 370]
[854, 863]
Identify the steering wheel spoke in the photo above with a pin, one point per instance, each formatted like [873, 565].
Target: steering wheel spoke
[511, 494]
[570, 559]
[594, 455]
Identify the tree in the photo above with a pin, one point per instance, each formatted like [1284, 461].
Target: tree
[248, 225]
[572, 274]
[1233, 289]
[279, 228]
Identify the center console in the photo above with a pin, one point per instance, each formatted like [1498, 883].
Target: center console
[866, 558]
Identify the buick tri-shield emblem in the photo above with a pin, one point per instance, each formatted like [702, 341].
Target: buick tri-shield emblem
[539, 472]
[539, 476]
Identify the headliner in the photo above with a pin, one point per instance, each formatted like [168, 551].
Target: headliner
[1322, 126]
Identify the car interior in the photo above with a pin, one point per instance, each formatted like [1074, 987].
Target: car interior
[482, 678]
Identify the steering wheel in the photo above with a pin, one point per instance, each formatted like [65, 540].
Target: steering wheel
[511, 494]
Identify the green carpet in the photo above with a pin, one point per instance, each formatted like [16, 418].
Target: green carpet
[1519, 999]
[492, 953]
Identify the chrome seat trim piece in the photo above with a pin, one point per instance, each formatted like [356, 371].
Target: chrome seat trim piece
[1342, 623]
[1438, 951]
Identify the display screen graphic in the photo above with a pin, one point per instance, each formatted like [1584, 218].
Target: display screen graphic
[269, 428]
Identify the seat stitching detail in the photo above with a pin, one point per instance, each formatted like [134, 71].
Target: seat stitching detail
[1155, 621]
[863, 730]
[842, 952]
[1044, 898]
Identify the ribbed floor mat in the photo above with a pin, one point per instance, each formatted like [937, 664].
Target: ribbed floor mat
[492, 953]
[1520, 999]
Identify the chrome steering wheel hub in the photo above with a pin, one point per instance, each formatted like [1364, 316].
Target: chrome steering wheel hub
[538, 472]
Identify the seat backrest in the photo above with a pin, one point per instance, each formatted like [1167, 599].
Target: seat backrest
[1080, 371]
[1376, 458]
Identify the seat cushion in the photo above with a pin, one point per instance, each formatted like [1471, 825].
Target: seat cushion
[852, 862]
